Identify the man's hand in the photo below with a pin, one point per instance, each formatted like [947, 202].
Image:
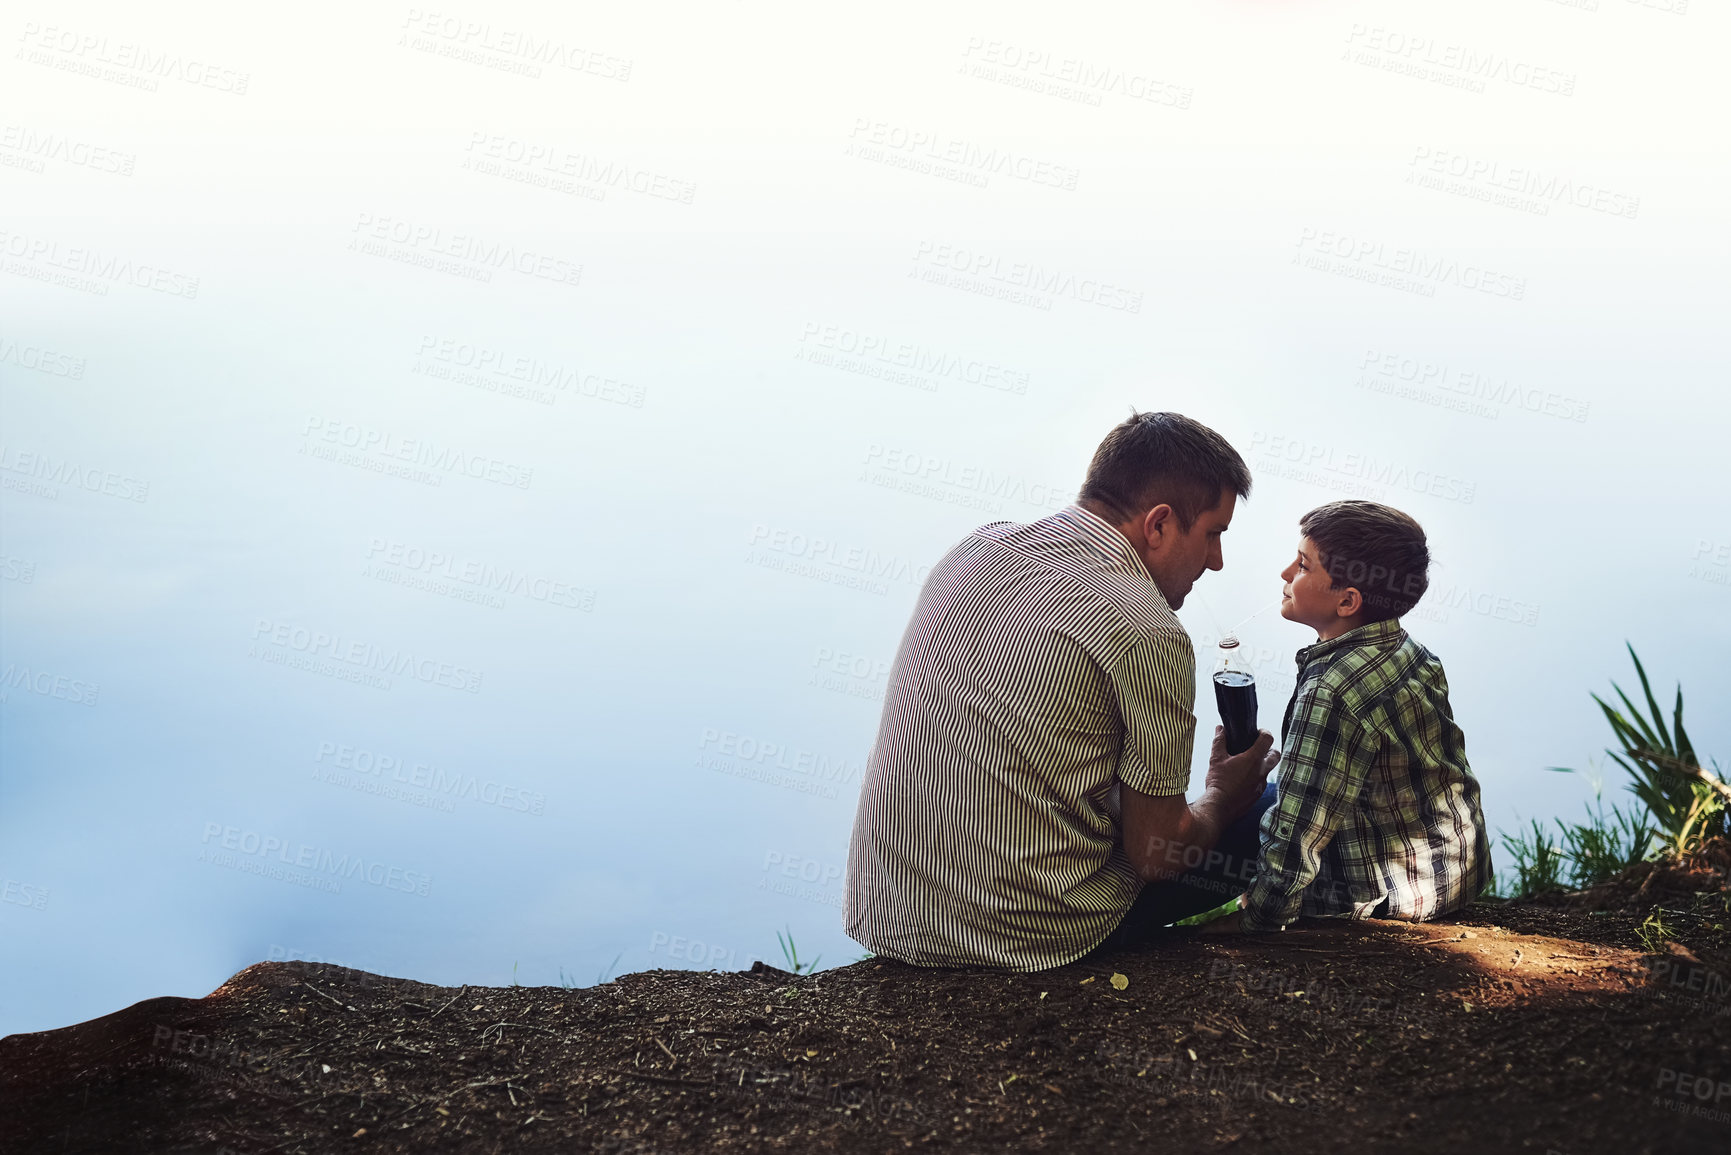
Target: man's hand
[1239, 779]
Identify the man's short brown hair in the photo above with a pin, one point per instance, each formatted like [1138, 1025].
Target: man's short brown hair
[1375, 549]
[1152, 458]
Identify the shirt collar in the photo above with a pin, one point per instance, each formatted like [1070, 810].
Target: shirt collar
[1103, 537]
[1377, 634]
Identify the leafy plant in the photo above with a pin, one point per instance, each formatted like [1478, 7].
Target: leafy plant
[1687, 802]
[1598, 849]
[1654, 932]
[1577, 856]
[790, 954]
[1538, 862]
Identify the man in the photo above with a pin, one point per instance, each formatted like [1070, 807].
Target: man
[1044, 672]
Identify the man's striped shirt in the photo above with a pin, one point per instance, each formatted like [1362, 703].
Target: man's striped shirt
[1042, 668]
[1376, 800]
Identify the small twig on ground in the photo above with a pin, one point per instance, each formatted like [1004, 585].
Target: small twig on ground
[453, 999]
[281, 1145]
[500, 1027]
[481, 1083]
[322, 994]
[438, 1100]
[661, 1078]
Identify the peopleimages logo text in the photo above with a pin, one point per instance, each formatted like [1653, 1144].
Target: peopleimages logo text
[445, 783]
[94, 50]
[945, 471]
[486, 254]
[1025, 275]
[331, 431]
[366, 655]
[300, 856]
[479, 574]
[103, 266]
[826, 551]
[1361, 467]
[1423, 268]
[748, 750]
[516, 44]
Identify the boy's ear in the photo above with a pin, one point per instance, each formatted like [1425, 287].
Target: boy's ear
[1351, 601]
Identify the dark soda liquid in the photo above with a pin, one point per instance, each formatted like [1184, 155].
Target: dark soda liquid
[1235, 694]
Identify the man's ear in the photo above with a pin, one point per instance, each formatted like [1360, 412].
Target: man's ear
[1158, 524]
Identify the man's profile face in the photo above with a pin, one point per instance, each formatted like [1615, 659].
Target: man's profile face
[1178, 558]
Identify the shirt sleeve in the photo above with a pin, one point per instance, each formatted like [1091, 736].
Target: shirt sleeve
[1327, 757]
[1155, 682]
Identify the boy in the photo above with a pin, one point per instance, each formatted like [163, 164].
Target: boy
[1377, 813]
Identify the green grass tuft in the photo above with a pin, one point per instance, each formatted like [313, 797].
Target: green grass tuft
[790, 954]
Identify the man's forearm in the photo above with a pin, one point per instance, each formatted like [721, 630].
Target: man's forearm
[1163, 854]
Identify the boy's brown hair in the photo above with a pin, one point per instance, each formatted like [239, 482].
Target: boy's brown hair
[1375, 549]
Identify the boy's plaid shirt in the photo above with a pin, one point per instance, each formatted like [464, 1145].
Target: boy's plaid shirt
[1375, 799]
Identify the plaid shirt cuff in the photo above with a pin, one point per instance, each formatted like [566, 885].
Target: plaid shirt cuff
[1254, 913]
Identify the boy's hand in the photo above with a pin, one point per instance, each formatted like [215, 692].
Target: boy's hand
[1231, 924]
[1240, 778]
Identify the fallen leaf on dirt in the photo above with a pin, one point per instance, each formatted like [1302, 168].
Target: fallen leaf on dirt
[1119, 982]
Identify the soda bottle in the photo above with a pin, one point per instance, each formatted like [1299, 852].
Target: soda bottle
[1235, 694]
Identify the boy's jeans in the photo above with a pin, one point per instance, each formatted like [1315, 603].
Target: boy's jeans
[1224, 874]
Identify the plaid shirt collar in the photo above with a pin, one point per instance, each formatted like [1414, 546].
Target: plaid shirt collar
[1385, 634]
[1103, 538]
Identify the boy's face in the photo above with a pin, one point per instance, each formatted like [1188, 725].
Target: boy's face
[1308, 599]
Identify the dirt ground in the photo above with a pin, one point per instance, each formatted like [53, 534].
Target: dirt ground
[1508, 1028]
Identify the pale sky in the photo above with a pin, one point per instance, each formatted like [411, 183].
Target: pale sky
[466, 474]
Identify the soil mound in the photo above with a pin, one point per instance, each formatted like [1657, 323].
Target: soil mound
[1508, 1028]
[1679, 881]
